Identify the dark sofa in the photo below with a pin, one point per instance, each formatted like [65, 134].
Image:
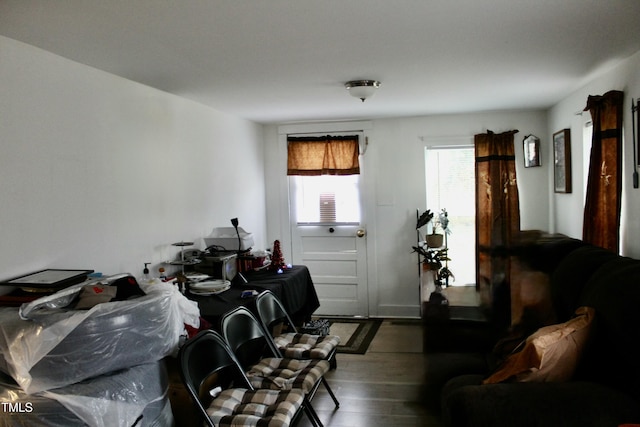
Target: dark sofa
[605, 388]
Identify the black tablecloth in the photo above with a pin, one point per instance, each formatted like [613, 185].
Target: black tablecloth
[293, 287]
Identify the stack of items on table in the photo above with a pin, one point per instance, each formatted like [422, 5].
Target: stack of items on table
[91, 354]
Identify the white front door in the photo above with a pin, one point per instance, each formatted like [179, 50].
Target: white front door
[336, 258]
[329, 237]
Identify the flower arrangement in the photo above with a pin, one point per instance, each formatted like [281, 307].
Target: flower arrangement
[443, 222]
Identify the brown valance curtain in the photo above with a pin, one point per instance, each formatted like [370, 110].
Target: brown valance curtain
[325, 155]
[601, 225]
[497, 219]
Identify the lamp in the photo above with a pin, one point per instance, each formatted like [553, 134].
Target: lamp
[362, 89]
[239, 277]
[234, 222]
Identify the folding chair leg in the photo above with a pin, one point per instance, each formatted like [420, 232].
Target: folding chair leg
[311, 413]
[333, 396]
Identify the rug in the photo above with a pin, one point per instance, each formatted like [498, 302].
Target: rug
[355, 334]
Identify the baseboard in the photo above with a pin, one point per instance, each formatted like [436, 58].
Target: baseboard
[399, 311]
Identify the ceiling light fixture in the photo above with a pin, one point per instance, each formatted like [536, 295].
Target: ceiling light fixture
[362, 89]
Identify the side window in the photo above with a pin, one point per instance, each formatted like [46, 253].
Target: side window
[586, 156]
[450, 184]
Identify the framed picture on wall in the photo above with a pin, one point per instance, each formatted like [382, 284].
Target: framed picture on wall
[531, 148]
[562, 161]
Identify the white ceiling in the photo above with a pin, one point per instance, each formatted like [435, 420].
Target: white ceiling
[275, 61]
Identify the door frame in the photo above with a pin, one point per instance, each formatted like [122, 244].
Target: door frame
[367, 188]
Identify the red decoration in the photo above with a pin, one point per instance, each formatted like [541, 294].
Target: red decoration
[277, 261]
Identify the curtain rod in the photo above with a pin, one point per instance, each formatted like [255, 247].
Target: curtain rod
[449, 147]
[446, 138]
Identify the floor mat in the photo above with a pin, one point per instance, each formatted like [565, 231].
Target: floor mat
[355, 334]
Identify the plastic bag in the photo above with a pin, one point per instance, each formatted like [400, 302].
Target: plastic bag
[117, 399]
[58, 347]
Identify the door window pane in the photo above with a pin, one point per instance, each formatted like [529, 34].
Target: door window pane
[327, 199]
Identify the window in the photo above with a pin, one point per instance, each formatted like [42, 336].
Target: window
[587, 134]
[450, 183]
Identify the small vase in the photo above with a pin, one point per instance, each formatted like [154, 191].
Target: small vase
[434, 240]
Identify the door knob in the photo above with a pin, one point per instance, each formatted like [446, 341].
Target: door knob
[331, 229]
[361, 232]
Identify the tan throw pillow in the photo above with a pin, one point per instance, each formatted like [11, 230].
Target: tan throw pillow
[551, 354]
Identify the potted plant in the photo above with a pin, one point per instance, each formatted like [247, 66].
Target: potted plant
[435, 239]
[435, 255]
[435, 260]
[424, 219]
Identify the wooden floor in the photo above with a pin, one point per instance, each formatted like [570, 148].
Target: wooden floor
[384, 387]
[391, 385]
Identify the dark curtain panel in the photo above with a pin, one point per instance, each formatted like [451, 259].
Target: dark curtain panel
[601, 226]
[325, 155]
[497, 219]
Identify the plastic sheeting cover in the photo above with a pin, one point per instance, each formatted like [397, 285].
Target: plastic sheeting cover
[59, 347]
[117, 399]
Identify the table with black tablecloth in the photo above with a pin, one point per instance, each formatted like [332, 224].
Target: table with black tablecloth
[293, 287]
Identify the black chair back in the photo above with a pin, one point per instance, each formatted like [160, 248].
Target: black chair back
[206, 365]
[272, 312]
[246, 337]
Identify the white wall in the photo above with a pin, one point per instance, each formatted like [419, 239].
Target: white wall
[99, 172]
[395, 154]
[394, 164]
[567, 208]
[102, 173]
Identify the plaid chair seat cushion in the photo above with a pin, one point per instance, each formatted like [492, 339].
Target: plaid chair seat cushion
[286, 374]
[242, 407]
[306, 346]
